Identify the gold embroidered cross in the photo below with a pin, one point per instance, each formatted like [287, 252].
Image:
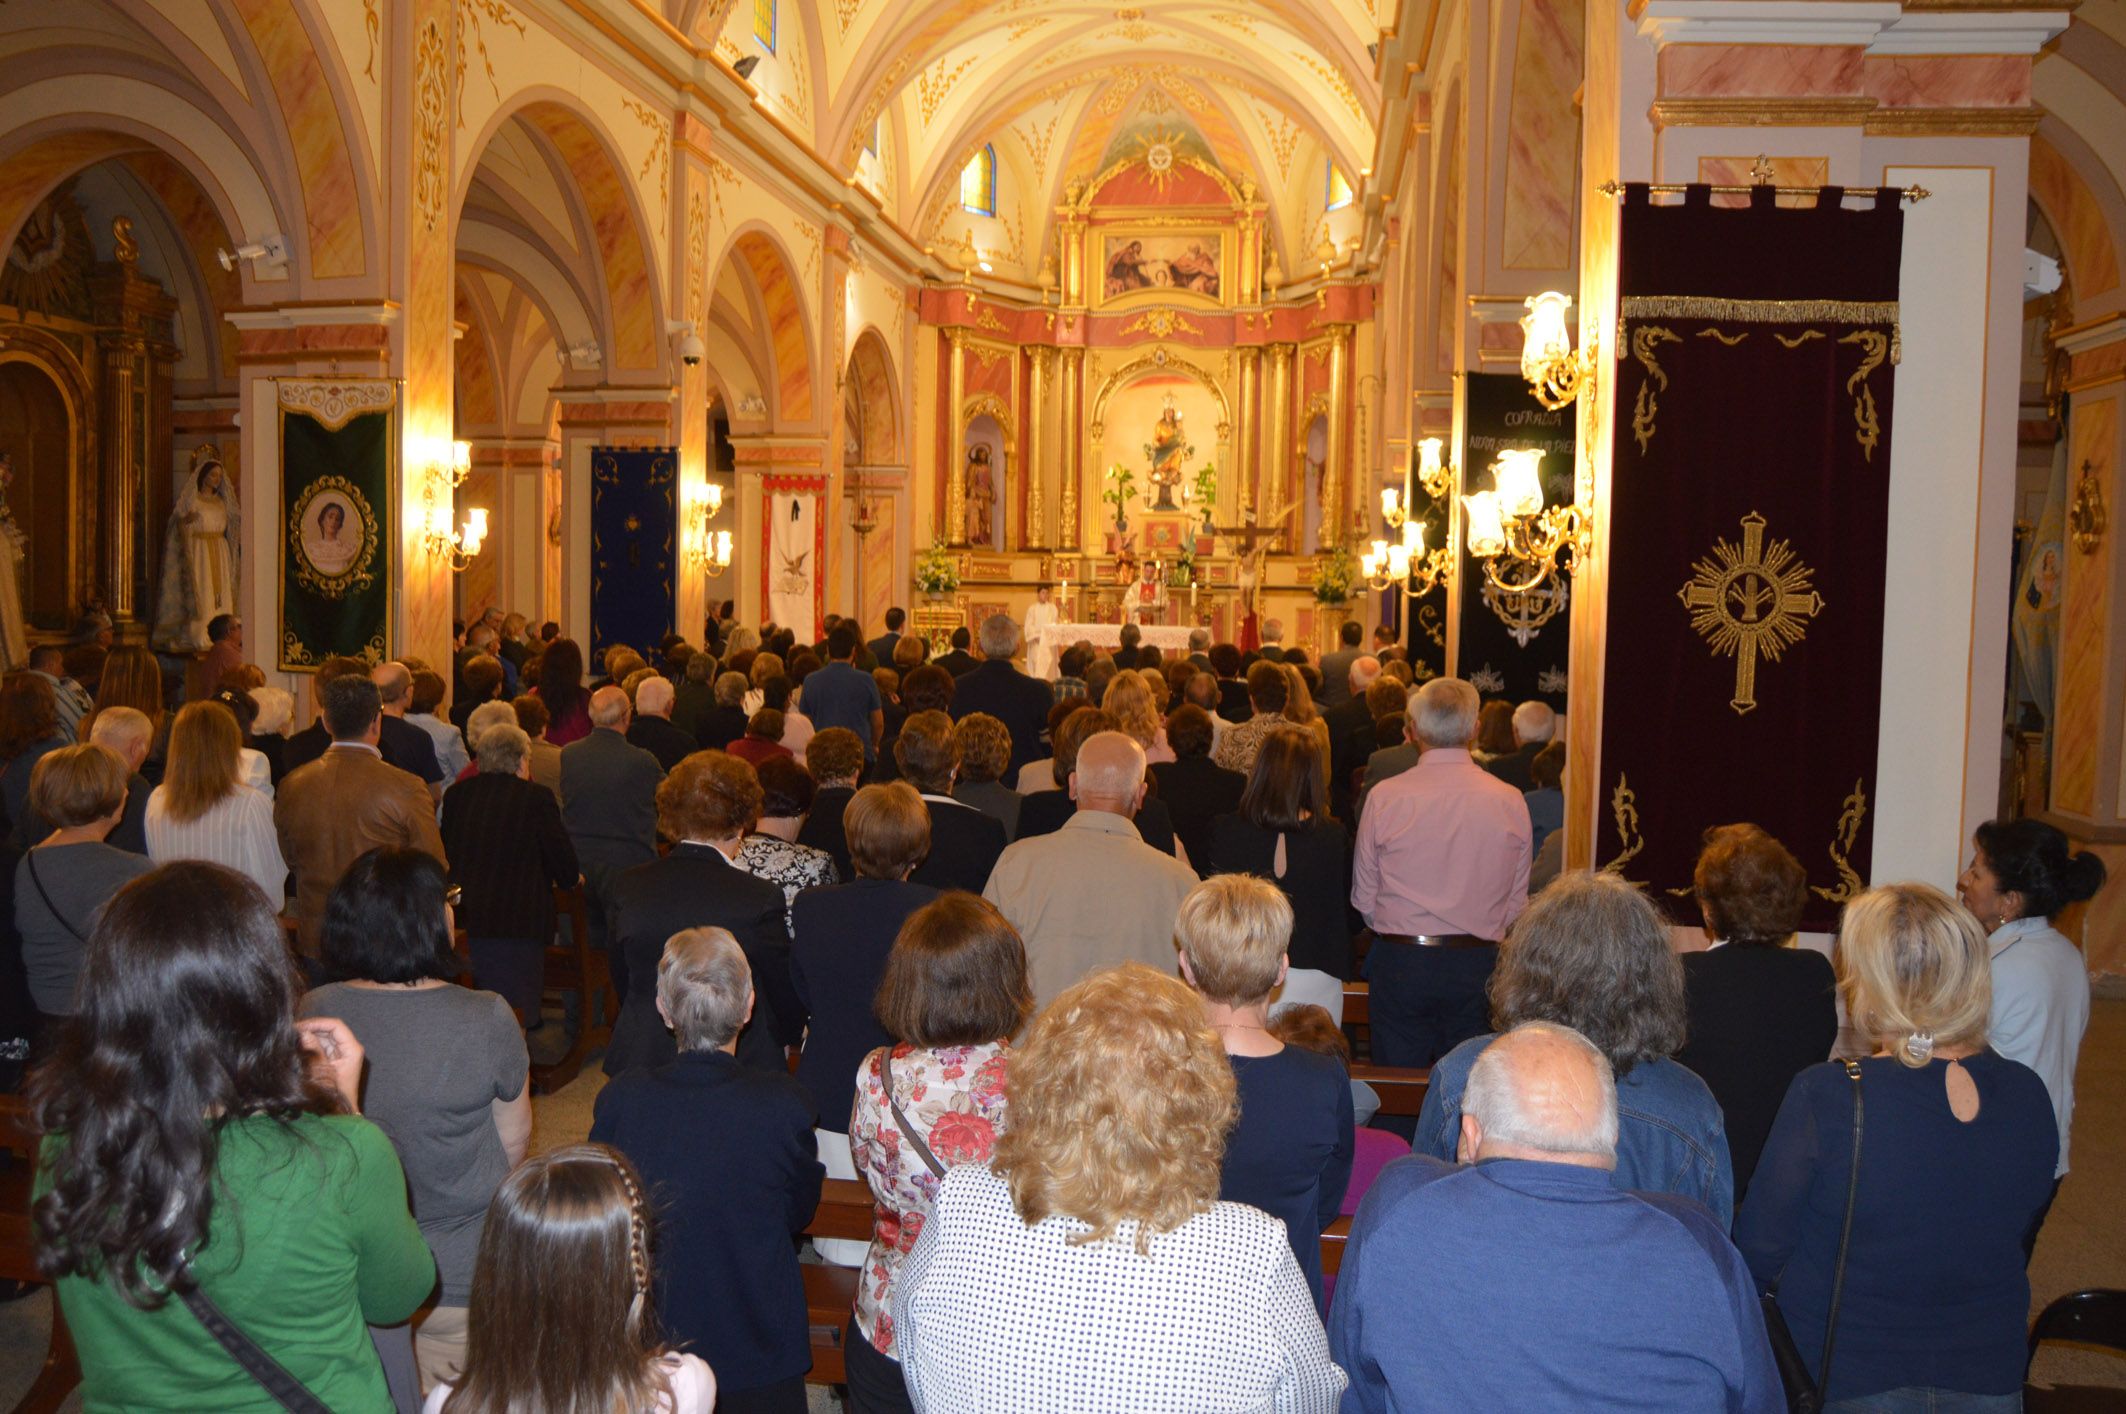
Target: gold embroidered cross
[1750, 599]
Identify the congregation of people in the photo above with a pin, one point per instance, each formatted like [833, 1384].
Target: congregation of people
[1057, 968]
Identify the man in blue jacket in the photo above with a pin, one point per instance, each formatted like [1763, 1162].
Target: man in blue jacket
[1520, 1279]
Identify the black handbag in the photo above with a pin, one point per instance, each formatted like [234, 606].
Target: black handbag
[1804, 1394]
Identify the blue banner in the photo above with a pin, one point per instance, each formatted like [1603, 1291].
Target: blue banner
[634, 543]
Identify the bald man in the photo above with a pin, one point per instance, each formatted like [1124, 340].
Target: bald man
[653, 730]
[1521, 1279]
[401, 743]
[609, 804]
[1093, 893]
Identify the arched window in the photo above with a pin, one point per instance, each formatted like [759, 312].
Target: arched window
[978, 184]
[1337, 193]
[764, 23]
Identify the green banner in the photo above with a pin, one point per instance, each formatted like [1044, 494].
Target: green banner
[339, 527]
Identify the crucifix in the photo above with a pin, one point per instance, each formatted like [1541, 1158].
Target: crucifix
[1750, 599]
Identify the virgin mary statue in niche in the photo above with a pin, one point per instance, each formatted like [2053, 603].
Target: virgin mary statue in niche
[199, 557]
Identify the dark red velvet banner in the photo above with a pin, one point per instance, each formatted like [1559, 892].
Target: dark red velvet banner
[1749, 514]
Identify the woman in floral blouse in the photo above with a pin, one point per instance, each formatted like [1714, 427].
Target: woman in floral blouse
[955, 992]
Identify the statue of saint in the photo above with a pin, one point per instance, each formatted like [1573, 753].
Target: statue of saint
[1166, 451]
[981, 497]
[14, 546]
[199, 557]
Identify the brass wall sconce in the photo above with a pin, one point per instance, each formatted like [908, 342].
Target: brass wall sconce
[456, 545]
[1556, 374]
[1521, 543]
[706, 553]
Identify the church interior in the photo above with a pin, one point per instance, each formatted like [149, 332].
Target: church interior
[357, 319]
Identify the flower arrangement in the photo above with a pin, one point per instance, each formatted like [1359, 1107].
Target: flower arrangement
[1335, 576]
[935, 571]
[1121, 484]
[1181, 573]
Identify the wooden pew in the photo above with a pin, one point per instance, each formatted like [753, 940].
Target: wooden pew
[575, 966]
[18, 1255]
[1401, 1090]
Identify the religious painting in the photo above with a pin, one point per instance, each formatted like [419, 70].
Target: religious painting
[338, 469]
[1166, 536]
[1162, 262]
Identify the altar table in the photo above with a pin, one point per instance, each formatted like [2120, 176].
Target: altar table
[1167, 638]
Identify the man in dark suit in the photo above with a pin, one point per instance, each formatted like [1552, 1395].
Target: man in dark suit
[964, 841]
[1019, 701]
[959, 661]
[652, 728]
[1194, 790]
[728, 1156]
[508, 851]
[1533, 726]
[1351, 735]
[405, 745]
[882, 647]
[609, 803]
[1199, 649]
[1336, 685]
[1272, 640]
[836, 760]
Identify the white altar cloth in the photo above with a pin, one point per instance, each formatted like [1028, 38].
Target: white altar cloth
[1167, 638]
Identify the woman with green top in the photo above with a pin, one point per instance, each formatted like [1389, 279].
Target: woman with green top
[204, 1160]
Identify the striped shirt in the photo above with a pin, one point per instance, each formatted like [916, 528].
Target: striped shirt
[236, 832]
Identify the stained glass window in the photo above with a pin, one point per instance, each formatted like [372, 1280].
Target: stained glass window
[978, 184]
[764, 23]
[1338, 193]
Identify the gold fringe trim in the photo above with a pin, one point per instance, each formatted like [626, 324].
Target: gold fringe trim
[1768, 311]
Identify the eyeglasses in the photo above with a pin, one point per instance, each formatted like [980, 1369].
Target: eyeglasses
[454, 895]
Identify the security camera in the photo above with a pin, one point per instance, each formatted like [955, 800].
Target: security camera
[691, 349]
[269, 250]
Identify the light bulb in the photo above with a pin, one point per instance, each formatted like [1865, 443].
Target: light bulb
[1545, 341]
[1398, 562]
[715, 498]
[1414, 537]
[461, 457]
[1369, 563]
[1486, 532]
[1428, 454]
[1519, 486]
[1390, 502]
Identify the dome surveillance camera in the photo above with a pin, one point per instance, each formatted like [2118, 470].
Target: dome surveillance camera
[692, 350]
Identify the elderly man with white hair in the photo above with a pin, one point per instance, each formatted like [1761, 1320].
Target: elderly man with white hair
[653, 730]
[403, 744]
[1534, 724]
[1439, 871]
[1093, 893]
[996, 686]
[1522, 1279]
[728, 1151]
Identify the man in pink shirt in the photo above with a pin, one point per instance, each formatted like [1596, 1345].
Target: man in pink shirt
[1440, 870]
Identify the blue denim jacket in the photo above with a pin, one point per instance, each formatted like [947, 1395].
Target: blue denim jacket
[1671, 1136]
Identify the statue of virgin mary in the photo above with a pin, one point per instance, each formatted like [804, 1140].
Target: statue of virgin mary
[199, 556]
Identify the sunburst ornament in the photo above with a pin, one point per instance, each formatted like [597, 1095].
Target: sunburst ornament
[1750, 599]
[1161, 151]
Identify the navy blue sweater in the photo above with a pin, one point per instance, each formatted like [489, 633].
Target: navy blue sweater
[1513, 1284]
[1936, 1291]
[1290, 1154]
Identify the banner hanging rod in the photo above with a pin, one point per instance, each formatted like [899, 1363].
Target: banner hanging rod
[1615, 189]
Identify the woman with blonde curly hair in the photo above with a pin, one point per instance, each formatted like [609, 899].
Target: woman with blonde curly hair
[1064, 1274]
[1129, 702]
[1955, 1153]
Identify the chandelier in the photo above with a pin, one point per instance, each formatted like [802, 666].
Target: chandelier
[1521, 543]
[706, 553]
[456, 545]
[1406, 562]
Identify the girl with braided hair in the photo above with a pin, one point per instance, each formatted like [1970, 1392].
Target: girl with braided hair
[586, 1345]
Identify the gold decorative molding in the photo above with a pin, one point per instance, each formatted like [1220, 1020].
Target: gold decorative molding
[1874, 347]
[431, 104]
[1761, 112]
[1953, 122]
[1624, 809]
[991, 406]
[2087, 518]
[1849, 822]
[1644, 340]
[1159, 323]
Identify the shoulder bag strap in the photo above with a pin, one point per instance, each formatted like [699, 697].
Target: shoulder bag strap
[1845, 1234]
[929, 1159]
[65, 922]
[288, 1391]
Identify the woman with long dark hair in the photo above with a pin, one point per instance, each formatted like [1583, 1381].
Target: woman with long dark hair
[561, 690]
[1283, 832]
[586, 1343]
[204, 1150]
[29, 730]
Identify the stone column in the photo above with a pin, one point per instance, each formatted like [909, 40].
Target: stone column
[1036, 532]
[956, 441]
[1335, 513]
[1250, 437]
[1070, 465]
[1277, 458]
